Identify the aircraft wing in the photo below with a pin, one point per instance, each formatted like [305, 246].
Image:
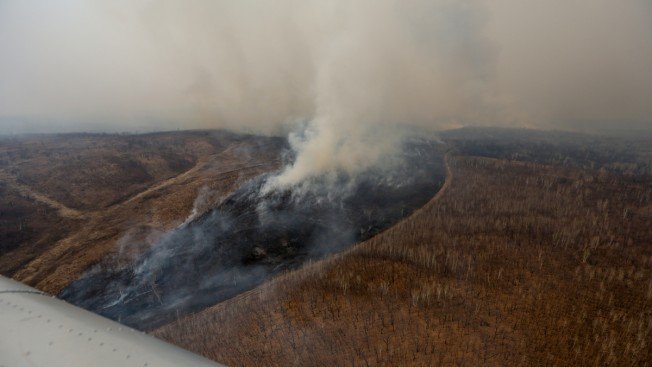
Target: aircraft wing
[37, 329]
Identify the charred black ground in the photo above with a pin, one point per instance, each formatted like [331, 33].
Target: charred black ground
[252, 236]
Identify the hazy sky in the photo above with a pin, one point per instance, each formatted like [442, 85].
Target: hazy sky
[130, 64]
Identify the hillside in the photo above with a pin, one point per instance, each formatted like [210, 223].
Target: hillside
[536, 251]
[515, 264]
[70, 201]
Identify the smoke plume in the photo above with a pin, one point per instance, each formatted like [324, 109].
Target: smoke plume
[346, 77]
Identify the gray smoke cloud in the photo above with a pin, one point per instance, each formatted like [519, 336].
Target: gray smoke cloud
[345, 77]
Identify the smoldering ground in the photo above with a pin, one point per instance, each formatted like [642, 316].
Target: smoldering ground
[254, 234]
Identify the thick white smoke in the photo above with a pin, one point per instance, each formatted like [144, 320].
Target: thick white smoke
[340, 74]
[385, 63]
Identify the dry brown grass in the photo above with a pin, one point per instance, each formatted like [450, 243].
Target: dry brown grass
[516, 265]
[50, 249]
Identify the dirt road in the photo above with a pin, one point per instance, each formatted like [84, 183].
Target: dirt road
[27, 192]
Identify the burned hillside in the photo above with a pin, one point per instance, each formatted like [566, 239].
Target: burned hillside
[254, 234]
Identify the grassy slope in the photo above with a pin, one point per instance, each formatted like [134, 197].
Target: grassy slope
[517, 264]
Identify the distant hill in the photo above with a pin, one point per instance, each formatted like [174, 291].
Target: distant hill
[631, 155]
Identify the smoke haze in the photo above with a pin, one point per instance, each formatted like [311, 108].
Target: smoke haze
[340, 75]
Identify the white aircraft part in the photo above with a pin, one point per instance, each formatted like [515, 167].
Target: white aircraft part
[40, 330]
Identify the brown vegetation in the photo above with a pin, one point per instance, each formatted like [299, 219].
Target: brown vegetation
[516, 264]
[67, 201]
